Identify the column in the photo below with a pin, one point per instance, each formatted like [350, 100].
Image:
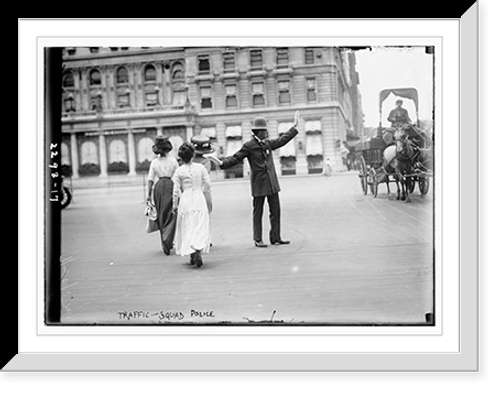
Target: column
[167, 85]
[246, 169]
[139, 93]
[104, 88]
[131, 153]
[189, 133]
[78, 90]
[103, 157]
[159, 82]
[85, 90]
[132, 85]
[301, 154]
[75, 162]
[111, 88]
[159, 131]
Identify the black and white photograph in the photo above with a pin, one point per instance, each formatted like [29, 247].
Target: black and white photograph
[241, 185]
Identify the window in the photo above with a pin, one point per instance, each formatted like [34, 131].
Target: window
[124, 99]
[95, 78]
[179, 98]
[211, 132]
[150, 73]
[311, 90]
[96, 102]
[122, 75]
[256, 59]
[94, 49]
[178, 71]
[284, 96]
[68, 80]
[152, 98]
[204, 64]
[69, 103]
[282, 57]
[229, 62]
[206, 97]
[231, 99]
[309, 56]
[258, 94]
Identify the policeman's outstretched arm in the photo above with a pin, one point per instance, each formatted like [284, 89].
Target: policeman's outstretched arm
[213, 158]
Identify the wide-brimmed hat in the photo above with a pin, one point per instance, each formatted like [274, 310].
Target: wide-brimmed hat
[202, 144]
[259, 123]
[162, 145]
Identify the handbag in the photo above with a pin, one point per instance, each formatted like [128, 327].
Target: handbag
[152, 214]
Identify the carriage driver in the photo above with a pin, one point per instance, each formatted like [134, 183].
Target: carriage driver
[399, 115]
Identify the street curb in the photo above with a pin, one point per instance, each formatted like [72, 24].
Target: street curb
[118, 181]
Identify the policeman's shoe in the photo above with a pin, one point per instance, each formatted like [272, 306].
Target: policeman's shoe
[281, 241]
[260, 244]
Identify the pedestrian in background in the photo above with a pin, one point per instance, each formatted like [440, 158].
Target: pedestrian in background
[160, 193]
[263, 177]
[191, 184]
[327, 168]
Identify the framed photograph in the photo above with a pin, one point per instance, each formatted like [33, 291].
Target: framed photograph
[248, 201]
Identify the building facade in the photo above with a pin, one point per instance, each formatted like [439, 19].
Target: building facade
[116, 100]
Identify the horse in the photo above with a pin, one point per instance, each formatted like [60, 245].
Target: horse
[398, 161]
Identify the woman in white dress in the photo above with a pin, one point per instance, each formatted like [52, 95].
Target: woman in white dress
[163, 168]
[191, 184]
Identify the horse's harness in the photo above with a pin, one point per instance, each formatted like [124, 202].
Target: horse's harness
[409, 154]
[412, 149]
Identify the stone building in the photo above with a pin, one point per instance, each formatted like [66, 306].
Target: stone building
[116, 100]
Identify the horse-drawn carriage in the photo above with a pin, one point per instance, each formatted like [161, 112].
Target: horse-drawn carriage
[401, 153]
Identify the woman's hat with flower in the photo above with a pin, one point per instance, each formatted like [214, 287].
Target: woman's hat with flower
[202, 144]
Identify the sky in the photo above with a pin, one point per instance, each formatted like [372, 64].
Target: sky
[390, 67]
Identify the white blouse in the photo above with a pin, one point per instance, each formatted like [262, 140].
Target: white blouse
[191, 177]
[162, 167]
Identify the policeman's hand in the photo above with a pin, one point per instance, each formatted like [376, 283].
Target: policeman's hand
[213, 158]
[296, 119]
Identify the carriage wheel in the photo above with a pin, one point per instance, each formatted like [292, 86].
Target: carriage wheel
[423, 185]
[362, 173]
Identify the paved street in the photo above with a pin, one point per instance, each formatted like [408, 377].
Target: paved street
[352, 259]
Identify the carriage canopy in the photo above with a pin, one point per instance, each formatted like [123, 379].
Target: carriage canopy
[410, 93]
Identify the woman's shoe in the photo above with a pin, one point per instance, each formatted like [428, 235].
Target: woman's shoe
[197, 259]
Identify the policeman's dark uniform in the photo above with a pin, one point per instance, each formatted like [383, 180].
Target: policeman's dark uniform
[263, 178]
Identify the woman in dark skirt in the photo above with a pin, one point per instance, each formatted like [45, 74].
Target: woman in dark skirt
[163, 168]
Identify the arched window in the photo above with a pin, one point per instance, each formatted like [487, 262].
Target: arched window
[68, 81]
[144, 151]
[95, 78]
[122, 75]
[117, 151]
[89, 153]
[150, 73]
[178, 71]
